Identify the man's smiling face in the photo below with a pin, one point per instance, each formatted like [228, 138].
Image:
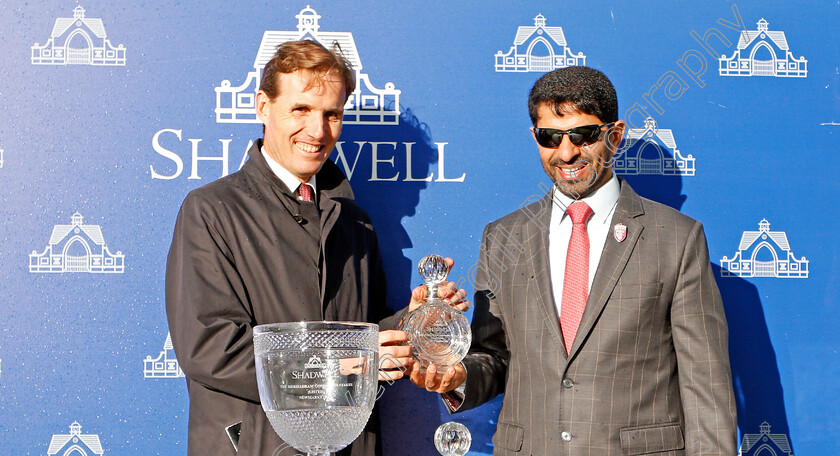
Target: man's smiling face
[303, 123]
[577, 171]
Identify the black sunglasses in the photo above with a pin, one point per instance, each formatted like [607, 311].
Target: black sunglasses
[579, 136]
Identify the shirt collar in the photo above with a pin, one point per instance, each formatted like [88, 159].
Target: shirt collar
[284, 175]
[602, 201]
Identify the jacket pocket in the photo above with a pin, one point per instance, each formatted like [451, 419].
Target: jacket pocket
[652, 438]
[509, 436]
[637, 290]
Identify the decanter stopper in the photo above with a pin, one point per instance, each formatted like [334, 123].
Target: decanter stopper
[434, 270]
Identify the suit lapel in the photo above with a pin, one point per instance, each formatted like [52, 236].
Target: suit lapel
[537, 253]
[613, 261]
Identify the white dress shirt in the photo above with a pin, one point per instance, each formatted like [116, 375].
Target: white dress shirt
[602, 202]
[287, 177]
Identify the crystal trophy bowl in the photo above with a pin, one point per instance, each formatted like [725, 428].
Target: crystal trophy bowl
[317, 381]
[438, 333]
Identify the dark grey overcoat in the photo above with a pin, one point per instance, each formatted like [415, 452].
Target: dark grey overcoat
[239, 258]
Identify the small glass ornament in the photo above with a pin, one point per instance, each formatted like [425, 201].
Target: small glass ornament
[452, 439]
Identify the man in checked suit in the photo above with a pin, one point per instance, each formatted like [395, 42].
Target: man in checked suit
[596, 310]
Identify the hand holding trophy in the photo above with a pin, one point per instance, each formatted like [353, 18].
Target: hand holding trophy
[439, 333]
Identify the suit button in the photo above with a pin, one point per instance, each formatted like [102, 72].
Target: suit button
[566, 436]
[568, 383]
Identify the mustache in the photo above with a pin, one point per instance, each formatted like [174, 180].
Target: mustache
[577, 162]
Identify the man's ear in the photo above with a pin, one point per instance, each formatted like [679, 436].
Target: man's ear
[616, 132]
[263, 106]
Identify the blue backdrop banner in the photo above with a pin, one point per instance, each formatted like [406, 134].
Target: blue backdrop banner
[113, 111]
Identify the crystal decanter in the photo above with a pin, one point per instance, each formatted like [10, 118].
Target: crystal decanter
[438, 332]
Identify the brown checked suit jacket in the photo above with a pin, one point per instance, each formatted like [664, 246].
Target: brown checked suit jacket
[648, 371]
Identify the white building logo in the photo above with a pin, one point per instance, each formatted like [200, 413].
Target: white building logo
[75, 443]
[77, 248]
[765, 444]
[314, 363]
[367, 105]
[764, 253]
[538, 48]
[652, 150]
[1, 158]
[165, 365]
[763, 52]
[78, 40]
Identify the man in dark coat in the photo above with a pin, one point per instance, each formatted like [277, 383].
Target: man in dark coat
[280, 240]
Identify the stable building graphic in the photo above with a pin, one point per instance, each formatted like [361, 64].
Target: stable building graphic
[763, 52]
[764, 253]
[367, 105]
[765, 444]
[165, 365]
[77, 248]
[652, 150]
[538, 48]
[75, 443]
[78, 40]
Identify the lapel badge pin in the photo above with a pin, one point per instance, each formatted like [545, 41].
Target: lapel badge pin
[620, 232]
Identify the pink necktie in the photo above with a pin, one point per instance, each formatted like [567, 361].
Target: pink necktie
[576, 278]
[305, 192]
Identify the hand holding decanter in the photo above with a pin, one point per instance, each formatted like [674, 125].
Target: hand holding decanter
[438, 332]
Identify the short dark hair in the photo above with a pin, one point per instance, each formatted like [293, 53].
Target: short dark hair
[310, 56]
[575, 88]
